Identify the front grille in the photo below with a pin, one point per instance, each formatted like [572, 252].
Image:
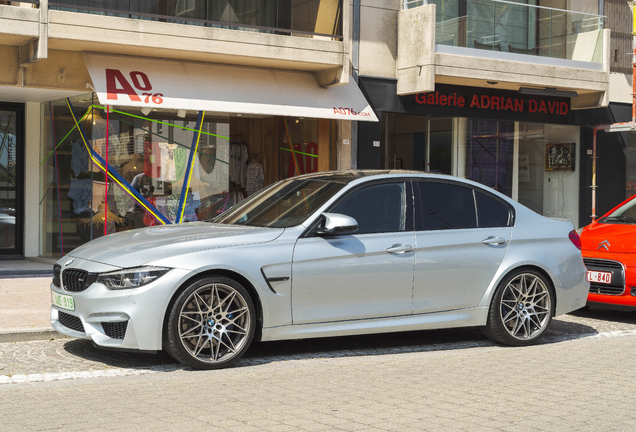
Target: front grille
[56, 275]
[115, 330]
[70, 321]
[74, 280]
[617, 287]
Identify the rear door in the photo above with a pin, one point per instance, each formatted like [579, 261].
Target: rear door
[462, 235]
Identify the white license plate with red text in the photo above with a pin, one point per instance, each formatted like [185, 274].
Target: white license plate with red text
[599, 277]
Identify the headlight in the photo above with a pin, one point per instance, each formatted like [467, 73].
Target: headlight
[131, 278]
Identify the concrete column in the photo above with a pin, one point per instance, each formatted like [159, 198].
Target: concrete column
[32, 180]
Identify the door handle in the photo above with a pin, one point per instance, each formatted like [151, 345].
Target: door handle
[494, 240]
[399, 249]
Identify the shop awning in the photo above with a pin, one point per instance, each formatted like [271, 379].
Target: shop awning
[154, 83]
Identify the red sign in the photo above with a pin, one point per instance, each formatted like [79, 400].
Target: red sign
[116, 83]
[495, 103]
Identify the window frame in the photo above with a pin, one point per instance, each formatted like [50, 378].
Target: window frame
[418, 204]
[409, 223]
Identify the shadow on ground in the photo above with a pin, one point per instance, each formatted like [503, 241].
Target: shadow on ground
[607, 314]
[346, 346]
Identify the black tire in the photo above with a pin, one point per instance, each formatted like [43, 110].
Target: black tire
[521, 309]
[211, 323]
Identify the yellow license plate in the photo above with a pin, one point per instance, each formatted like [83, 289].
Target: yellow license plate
[63, 301]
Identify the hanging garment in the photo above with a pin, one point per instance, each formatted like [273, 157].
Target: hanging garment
[193, 202]
[168, 165]
[123, 201]
[152, 159]
[149, 219]
[81, 192]
[99, 195]
[118, 149]
[255, 178]
[79, 158]
[243, 168]
[207, 159]
[180, 161]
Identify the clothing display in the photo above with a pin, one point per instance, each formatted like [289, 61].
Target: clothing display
[99, 195]
[149, 219]
[123, 201]
[207, 158]
[255, 178]
[238, 164]
[152, 159]
[79, 158]
[118, 149]
[81, 192]
[168, 165]
[169, 206]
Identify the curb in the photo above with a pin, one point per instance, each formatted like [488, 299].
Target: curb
[25, 273]
[30, 334]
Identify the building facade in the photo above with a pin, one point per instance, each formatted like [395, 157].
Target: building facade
[502, 92]
[120, 115]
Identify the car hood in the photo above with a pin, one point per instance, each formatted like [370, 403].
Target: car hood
[137, 247]
[619, 236]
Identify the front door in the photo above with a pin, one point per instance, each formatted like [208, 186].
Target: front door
[11, 179]
[368, 274]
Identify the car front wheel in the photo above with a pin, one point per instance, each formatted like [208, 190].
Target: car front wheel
[521, 309]
[211, 323]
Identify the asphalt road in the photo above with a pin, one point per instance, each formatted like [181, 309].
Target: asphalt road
[578, 378]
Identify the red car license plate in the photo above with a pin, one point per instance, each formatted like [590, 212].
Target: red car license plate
[599, 277]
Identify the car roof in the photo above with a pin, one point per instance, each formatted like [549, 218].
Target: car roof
[349, 176]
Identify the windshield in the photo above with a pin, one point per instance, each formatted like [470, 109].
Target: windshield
[624, 214]
[282, 205]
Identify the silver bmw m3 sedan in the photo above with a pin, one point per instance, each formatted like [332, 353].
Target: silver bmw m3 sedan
[327, 254]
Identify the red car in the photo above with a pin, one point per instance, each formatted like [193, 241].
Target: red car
[609, 253]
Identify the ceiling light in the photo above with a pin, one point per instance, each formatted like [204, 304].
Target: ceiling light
[145, 111]
[181, 113]
[548, 91]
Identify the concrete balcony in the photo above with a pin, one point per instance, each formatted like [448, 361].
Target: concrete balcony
[31, 34]
[508, 46]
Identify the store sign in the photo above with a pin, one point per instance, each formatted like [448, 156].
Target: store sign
[495, 103]
[117, 83]
[171, 84]
[466, 101]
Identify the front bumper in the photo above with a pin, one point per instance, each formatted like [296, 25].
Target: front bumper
[126, 319]
[625, 299]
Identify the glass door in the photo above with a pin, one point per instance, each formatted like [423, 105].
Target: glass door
[11, 182]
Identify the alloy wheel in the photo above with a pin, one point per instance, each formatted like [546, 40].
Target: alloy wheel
[214, 323]
[525, 306]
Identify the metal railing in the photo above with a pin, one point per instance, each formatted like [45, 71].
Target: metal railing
[508, 26]
[276, 17]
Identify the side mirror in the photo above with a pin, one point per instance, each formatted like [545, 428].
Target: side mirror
[337, 224]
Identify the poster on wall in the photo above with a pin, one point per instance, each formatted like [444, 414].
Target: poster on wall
[559, 157]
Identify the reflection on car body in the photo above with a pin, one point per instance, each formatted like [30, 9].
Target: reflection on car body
[326, 254]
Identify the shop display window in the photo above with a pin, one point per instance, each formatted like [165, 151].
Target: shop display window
[149, 158]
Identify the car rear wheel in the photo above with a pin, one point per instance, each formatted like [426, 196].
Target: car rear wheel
[521, 309]
[211, 323]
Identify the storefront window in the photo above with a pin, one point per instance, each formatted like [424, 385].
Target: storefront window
[489, 154]
[313, 146]
[148, 155]
[164, 166]
[533, 163]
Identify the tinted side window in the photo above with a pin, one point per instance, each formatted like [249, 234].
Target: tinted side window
[491, 212]
[379, 208]
[447, 206]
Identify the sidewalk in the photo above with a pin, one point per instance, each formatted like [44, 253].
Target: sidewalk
[25, 300]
